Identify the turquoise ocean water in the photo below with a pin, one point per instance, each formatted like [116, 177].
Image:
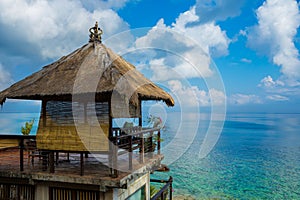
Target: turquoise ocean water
[257, 156]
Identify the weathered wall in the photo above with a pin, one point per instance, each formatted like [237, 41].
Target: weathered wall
[133, 187]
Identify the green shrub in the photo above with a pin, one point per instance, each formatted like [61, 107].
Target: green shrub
[27, 127]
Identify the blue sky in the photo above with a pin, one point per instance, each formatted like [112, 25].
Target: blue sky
[249, 57]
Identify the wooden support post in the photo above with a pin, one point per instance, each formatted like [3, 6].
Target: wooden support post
[110, 156]
[21, 146]
[113, 148]
[51, 161]
[44, 159]
[142, 148]
[68, 157]
[158, 142]
[57, 157]
[81, 164]
[130, 152]
[151, 144]
[115, 161]
[141, 116]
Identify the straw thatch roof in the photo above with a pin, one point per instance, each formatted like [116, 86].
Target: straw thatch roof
[92, 69]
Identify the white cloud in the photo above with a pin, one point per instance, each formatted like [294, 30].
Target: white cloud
[192, 96]
[241, 99]
[278, 21]
[5, 78]
[268, 82]
[281, 89]
[191, 44]
[208, 35]
[246, 60]
[277, 97]
[56, 27]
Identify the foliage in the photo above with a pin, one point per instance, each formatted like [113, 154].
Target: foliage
[153, 190]
[27, 127]
[153, 122]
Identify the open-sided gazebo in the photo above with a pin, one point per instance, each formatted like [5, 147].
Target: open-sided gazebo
[81, 93]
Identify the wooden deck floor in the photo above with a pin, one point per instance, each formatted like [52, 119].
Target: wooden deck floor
[96, 168]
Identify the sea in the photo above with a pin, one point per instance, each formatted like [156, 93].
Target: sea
[251, 156]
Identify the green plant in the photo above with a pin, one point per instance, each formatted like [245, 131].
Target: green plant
[153, 190]
[27, 127]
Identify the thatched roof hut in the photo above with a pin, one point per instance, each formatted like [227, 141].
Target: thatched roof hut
[94, 81]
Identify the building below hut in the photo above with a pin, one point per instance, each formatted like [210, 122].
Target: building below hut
[77, 152]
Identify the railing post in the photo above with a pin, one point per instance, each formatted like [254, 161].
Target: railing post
[162, 195]
[171, 187]
[51, 161]
[151, 144]
[130, 152]
[142, 148]
[21, 146]
[158, 142]
[57, 157]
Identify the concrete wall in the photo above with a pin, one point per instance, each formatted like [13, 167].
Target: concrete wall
[41, 191]
[121, 194]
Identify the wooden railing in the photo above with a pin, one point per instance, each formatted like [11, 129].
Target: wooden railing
[143, 141]
[128, 140]
[162, 193]
[20, 139]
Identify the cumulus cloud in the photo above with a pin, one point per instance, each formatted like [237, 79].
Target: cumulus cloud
[53, 28]
[278, 21]
[241, 99]
[208, 35]
[281, 89]
[192, 96]
[191, 44]
[268, 82]
[5, 78]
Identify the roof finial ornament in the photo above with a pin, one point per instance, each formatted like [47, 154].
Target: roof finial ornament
[95, 33]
